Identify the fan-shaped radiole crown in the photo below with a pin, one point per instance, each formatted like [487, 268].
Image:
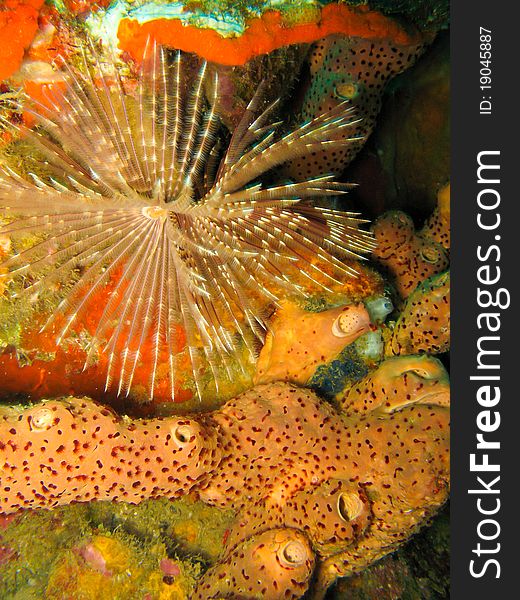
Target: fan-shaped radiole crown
[136, 197]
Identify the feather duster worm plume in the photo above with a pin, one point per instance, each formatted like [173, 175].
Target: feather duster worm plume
[188, 238]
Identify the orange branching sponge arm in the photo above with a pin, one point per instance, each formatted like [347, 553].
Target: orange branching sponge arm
[424, 323]
[262, 35]
[74, 450]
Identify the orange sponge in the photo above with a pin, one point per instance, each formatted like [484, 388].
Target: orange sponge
[18, 25]
[262, 35]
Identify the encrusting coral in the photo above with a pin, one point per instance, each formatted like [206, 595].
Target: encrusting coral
[270, 455]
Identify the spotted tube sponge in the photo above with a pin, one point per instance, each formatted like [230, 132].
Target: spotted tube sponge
[437, 226]
[353, 69]
[409, 256]
[299, 341]
[424, 323]
[397, 382]
[333, 515]
[75, 450]
[279, 565]
[317, 494]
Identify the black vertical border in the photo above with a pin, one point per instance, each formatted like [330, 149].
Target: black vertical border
[471, 134]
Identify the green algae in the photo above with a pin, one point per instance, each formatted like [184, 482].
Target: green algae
[28, 572]
[186, 531]
[10, 324]
[242, 8]
[185, 525]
